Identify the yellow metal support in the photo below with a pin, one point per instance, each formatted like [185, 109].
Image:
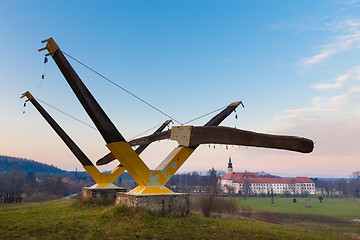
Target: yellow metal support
[131, 161]
[104, 180]
[152, 181]
[150, 190]
[172, 163]
[162, 174]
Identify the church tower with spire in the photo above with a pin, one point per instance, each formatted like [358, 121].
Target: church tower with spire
[230, 168]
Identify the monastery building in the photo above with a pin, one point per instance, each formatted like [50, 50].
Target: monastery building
[250, 183]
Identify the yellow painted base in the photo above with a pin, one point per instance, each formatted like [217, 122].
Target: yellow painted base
[104, 180]
[150, 190]
[104, 185]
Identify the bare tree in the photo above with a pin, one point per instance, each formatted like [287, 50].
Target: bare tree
[355, 175]
[212, 189]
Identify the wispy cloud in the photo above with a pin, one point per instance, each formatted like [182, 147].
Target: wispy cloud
[347, 37]
[336, 84]
[332, 121]
[331, 118]
[347, 83]
[352, 74]
[346, 97]
[309, 113]
[310, 110]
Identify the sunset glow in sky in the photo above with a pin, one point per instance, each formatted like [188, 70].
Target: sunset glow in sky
[294, 64]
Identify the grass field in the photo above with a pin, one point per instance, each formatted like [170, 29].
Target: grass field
[343, 208]
[333, 215]
[71, 219]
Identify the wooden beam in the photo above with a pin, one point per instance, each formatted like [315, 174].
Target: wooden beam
[233, 136]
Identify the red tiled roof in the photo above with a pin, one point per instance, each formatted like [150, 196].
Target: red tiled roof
[239, 175]
[252, 178]
[250, 175]
[303, 180]
[227, 176]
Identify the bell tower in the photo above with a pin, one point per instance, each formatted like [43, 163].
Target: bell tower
[230, 168]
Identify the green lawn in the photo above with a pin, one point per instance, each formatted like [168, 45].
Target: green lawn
[333, 215]
[70, 219]
[343, 208]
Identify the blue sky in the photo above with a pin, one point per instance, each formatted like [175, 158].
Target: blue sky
[294, 64]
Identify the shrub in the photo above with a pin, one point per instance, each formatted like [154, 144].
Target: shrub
[214, 204]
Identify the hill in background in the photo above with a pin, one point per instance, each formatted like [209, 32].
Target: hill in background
[7, 164]
[26, 165]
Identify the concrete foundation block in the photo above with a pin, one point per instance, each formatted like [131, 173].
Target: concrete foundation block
[100, 194]
[162, 204]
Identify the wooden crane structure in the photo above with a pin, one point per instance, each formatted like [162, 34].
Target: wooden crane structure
[152, 182]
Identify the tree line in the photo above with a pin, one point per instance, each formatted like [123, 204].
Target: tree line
[195, 181]
[41, 187]
[340, 187]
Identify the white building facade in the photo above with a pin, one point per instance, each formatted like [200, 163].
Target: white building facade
[250, 183]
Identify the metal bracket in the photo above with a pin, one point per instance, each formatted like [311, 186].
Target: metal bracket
[51, 46]
[237, 104]
[181, 134]
[28, 95]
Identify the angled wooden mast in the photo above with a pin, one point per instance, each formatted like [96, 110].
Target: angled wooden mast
[103, 180]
